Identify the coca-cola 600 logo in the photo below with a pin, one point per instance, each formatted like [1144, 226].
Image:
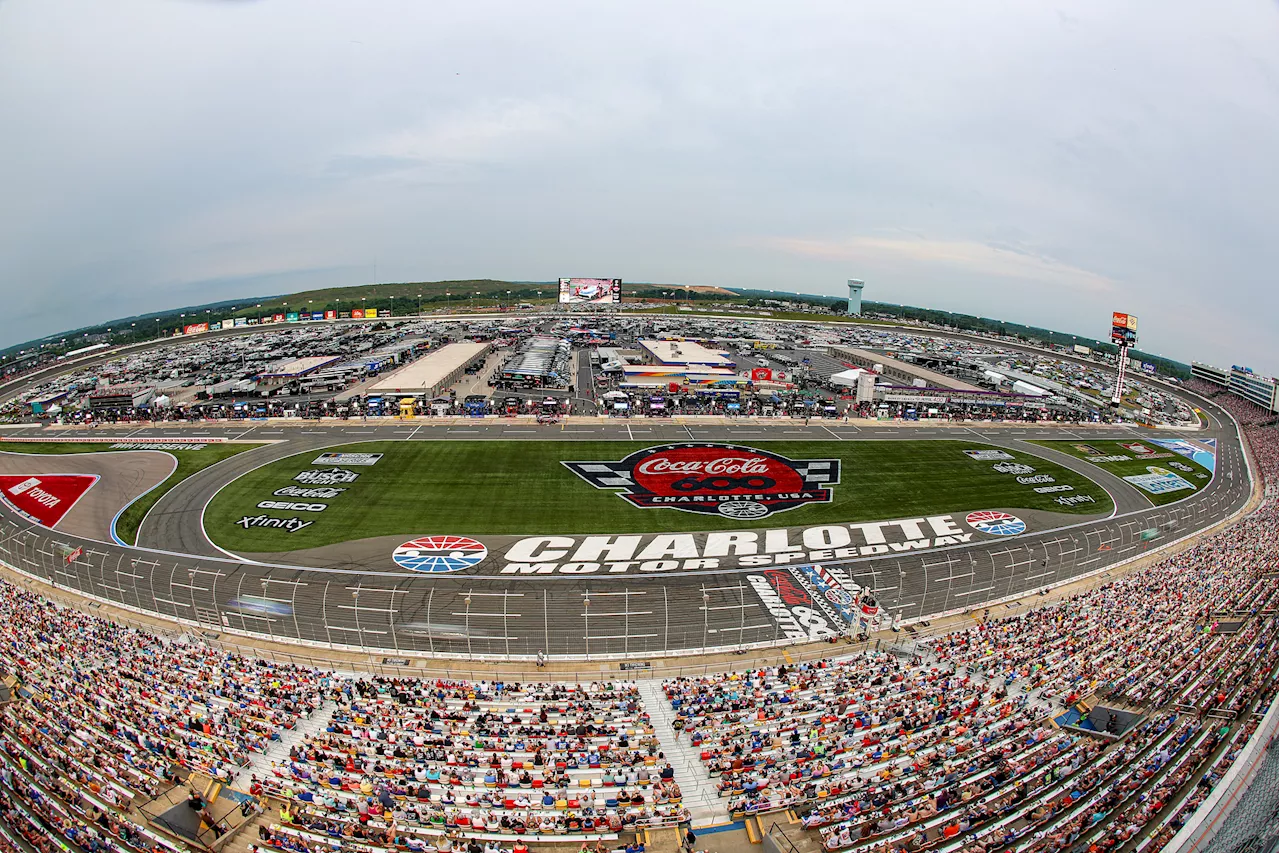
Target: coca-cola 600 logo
[721, 479]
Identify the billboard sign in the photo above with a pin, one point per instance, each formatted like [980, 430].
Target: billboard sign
[1124, 329]
[590, 291]
[357, 313]
[195, 328]
[277, 318]
[370, 313]
[240, 321]
[331, 315]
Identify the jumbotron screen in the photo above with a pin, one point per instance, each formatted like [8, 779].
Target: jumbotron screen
[590, 290]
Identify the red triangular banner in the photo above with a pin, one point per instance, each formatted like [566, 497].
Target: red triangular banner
[45, 497]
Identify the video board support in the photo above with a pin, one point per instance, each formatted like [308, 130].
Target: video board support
[1124, 334]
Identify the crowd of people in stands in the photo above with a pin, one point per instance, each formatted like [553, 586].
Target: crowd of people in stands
[962, 743]
[948, 749]
[412, 763]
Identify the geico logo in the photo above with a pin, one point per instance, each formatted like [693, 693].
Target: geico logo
[1044, 490]
[292, 506]
[724, 465]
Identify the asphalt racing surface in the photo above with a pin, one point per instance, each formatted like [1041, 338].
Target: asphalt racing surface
[179, 574]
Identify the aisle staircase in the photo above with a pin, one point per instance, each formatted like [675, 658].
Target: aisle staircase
[278, 753]
[697, 788]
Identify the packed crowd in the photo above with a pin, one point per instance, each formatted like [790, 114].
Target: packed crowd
[416, 764]
[110, 716]
[946, 747]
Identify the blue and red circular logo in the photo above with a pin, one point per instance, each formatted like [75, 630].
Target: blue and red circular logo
[438, 554]
[996, 523]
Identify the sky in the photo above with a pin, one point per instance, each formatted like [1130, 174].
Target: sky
[1007, 159]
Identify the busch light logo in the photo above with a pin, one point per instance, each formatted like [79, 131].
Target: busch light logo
[1013, 468]
[719, 479]
[332, 477]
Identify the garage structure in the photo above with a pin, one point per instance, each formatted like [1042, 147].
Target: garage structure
[432, 373]
[901, 371]
[685, 354]
[289, 371]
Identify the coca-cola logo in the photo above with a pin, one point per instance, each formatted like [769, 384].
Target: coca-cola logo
[726, 480]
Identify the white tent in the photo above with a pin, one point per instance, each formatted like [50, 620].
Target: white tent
[848, 378]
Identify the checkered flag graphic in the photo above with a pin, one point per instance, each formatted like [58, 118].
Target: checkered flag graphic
[603, 475]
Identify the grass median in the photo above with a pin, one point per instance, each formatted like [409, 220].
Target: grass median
[1158, 473]
[521, 488]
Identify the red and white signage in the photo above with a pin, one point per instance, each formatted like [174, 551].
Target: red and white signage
[47, 497]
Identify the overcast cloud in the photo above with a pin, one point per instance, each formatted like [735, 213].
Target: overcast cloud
[1007, 159]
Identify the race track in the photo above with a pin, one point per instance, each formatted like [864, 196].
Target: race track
[179, 574]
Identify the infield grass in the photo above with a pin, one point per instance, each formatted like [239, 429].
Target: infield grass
[189, 462]
[520, 488]
[1136, 464]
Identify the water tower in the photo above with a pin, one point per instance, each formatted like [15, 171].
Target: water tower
[855, 295]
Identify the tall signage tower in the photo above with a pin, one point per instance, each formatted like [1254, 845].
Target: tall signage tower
[1124, 334]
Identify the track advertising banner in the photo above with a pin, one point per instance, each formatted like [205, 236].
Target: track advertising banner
[47, 497]
[195, 328]
[595, 291]
[331, 315]
[291, 317]
[357, 313]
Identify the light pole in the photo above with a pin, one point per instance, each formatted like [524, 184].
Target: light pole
[420, 304]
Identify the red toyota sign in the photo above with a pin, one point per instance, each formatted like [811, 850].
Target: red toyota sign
[47, 497]
[719, 479]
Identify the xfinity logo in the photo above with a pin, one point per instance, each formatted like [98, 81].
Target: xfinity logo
[290, 525]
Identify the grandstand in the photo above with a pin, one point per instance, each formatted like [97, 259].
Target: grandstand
[1116, 711]
[947, 743]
